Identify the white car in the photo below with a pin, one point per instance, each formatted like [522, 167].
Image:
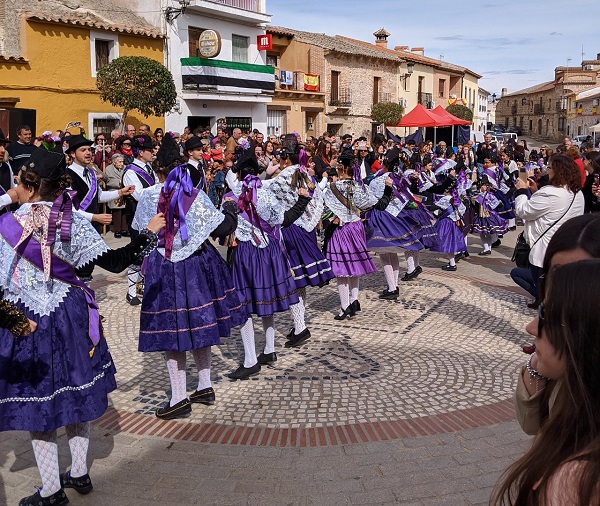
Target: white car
[578, 140]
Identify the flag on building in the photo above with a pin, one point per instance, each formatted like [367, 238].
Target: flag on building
[228, 76]
[286, 78]
[311, 82]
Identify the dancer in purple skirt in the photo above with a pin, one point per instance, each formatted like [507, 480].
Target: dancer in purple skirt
[309, 266]
[487, 223]
[393, 229]
[448, 227]
[346, 242]
[189, 299]
[261, 270]
[60, 374]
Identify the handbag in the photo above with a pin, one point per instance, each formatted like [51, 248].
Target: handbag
[521, 252]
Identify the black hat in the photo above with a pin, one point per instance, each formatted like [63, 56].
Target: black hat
[347, 157]
[3, 140]
[193, 142]
[290, 145]
[168, 151]
[142, 142]
[247, 163]
[76, 141]
[46, 164]
[427, 159]
[346, 136]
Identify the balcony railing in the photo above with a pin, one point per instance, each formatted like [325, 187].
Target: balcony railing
[383, 98]
[248, 5]
[426, 100]
[297, 83]
[341, 98]
[538, 109]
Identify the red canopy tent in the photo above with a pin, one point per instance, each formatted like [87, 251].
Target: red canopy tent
[446, 118]
[419, 117]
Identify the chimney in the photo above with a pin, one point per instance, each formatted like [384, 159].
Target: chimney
[381, 38]
[598, 56]
[401, 48]
[504, 91]
[418, 50]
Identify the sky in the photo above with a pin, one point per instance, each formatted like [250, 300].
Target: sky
[513, 44]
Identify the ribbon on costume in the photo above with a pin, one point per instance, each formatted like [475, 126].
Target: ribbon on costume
[86, 202]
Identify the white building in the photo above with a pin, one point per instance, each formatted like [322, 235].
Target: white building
[220, 75]
[480, 114]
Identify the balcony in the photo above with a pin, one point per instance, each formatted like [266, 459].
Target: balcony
[297, 82]
[538, 109]
[383, 98]
[341, 98]
[245, 11]
[426, 100]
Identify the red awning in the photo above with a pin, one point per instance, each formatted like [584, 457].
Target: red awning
[419, 117]
[447, 119]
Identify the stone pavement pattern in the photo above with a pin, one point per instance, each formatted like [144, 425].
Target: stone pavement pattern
[407, 403]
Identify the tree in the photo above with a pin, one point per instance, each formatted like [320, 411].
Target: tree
[388, 113]
[137, 82]
[460, 111]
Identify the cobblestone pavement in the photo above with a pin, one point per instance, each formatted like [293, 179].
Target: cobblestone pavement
[407, 403]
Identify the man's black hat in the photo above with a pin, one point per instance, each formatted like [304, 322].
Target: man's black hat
[168, 153]
[193, 142]
[247, 163]
[76, 141]
[46, 164]
[142, 142]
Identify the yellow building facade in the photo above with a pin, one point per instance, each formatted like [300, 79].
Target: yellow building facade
[55, 73]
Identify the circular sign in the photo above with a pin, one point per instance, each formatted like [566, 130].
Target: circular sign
[209, 43]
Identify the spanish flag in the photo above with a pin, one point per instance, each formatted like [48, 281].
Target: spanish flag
[311, 82]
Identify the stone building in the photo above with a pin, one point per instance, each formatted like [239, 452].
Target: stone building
[542, 111]
[582, 111]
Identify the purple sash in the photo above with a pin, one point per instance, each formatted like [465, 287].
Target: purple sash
[85, 203]
[31, 251]
[141, 173]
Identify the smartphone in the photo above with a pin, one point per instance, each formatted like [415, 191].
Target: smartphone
[523, 173]
[597, 179]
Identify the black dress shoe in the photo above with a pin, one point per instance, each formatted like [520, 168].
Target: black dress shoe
[497, 243]
[484, 253]
[82, 484]
[409, 276]
[57, 499]
[466, 254]
[387, 295]
[356, 306]
[346, 313]
[512, 229]
[117, 235]
[267, 358]
[297, 340]
[458, 257]
[204, 396]
[534, 305]
[244, 372]
[182, 409]
[133, 301]
[449, 268]
[126, 234]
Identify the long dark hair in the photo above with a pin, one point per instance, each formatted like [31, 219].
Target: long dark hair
[565, 173]
[572, 431]
[47, 190]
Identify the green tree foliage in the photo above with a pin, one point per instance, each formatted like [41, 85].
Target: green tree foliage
[137, 83]
[460, 111]
[388, 113]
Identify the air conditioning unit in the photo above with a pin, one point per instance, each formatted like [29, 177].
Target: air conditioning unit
[403, 102]
[433, 104]
[588, 67]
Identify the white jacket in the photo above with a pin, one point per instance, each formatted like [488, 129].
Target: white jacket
[539, 212]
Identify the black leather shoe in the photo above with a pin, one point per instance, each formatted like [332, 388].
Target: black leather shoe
[466, 254]
[133, 301]
[346, 313]
[534, 305]
[182, 409]
[126, 234]
[484, 253]
[267, 358]
[82, 484]
[497, 243]
[297, 340]
[204, 396]
[57, 499]
[449, 268]
[356, 306]
[409, 276]
[117, 235]
[458, 257]
[512, 229]
[387, 295]
[244, 372]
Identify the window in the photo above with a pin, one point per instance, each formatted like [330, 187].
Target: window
[275, 119]
[102, 123]
[104, 48]
[406, 82]
[441, 87]
[376, 84]
[335, 85]
[193, 42]
[272, 59]
[239, 45]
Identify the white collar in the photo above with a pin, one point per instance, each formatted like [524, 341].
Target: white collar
[194, 163]
[78, 169]
[140, 164]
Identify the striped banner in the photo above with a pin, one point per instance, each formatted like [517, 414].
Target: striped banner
[311, 82]
[228, 76]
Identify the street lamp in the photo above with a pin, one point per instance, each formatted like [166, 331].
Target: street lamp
[172, 13]
[410, 68]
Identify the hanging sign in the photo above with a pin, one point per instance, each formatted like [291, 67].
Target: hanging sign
[264, 42]
[209, 44]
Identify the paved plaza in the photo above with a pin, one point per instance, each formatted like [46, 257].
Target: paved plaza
[410, 402]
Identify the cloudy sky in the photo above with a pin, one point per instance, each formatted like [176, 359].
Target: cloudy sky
[513, 44]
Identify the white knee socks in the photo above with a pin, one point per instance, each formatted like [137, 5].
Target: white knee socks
[176, 367]
[269, 329]
[388, 270]
[298, 312]
[247, 332]
[344, 291]
[202, 358]
[133, 277]
[512, 222]
[45, 450]
[79, 441]
[451, 261]
[353, 282]
[486, 241]
[412, 260]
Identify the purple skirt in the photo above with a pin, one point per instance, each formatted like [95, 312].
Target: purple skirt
[384, 230]
[308, 263]
[426, 230]
[189, 304]
[489, 226]
[48, 379]
[347, 251]
[505, 209]
[451, 238]
[263, 278]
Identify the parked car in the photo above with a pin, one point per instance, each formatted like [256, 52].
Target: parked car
[499, 128]
[515, 130]
[510, 135]
[579, 139]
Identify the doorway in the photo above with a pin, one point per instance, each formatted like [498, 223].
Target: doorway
[199, 122]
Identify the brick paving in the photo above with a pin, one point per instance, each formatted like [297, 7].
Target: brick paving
[407, 403]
